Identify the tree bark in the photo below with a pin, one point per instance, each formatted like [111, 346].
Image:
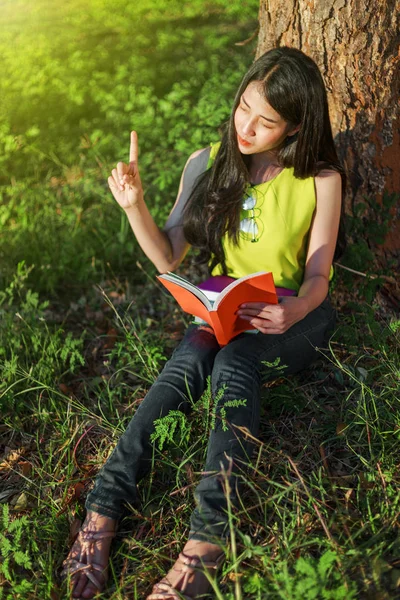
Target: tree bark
[356, 45]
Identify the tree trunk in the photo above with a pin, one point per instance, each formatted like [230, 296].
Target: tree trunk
[356, 45]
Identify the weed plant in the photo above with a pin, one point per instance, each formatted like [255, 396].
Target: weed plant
[319, 503]
[84, 328]
[84, 78]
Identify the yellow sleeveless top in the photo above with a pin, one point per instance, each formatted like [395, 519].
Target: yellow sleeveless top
[275, 223]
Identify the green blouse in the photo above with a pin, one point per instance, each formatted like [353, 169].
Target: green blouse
[276, 218]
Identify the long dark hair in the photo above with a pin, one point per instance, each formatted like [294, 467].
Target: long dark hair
[292, 84]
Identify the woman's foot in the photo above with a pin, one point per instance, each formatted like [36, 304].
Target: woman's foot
[87, 561]
[187, 576]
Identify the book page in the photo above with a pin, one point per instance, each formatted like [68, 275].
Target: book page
[184, 283]
[232, 285]
[212, 296]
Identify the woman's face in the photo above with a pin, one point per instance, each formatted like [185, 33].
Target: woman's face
[259, 128]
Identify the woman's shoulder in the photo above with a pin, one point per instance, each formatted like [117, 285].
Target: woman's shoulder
[325, 172]
[197, 162]
[199, 158]
[328, 185]
[202, 151]
[327, 179]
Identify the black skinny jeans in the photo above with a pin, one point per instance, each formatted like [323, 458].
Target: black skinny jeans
[240, 369]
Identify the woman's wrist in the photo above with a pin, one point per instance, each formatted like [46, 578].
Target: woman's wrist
[304, 306]
[134, 208]
[313, 292]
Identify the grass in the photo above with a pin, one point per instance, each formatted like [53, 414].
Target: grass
[319, 507]
[84, 328]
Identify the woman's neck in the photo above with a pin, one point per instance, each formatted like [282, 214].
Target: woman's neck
[263, 167]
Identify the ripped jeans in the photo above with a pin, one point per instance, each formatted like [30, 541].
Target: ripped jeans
[240, 369]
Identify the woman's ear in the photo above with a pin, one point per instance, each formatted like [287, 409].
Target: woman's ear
[294, 130]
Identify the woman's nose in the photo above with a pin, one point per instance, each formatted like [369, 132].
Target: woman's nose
[248, 127]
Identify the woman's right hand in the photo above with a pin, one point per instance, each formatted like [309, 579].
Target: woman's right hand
[124, 182]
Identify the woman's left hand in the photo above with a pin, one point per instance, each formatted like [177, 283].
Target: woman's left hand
[274, 318]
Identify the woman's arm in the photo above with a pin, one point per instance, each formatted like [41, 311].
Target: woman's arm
[278, 318]
[165, 248]
[195, 166]
[323, 237]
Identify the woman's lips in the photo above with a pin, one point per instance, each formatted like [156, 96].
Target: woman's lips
[243, 142]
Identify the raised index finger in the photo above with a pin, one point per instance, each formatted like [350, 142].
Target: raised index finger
[134, 149]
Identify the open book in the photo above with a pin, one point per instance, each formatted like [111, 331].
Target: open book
[219, 309]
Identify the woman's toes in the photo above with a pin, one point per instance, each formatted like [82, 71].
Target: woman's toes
[84, 589]
[80, 585]
[90, 550]
[90, 591]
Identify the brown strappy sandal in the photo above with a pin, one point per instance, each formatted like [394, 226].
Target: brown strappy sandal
[84, 565]
[165, 591]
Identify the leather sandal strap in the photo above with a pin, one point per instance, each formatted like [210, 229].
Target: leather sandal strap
[92, 577]
[72, 566]
[165, 591]
[87, 539]
[190, 564]
[194, 562]
[92, 536]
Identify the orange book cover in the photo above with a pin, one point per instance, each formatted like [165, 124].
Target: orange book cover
[220, 311]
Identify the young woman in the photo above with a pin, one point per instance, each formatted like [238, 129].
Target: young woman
[267, 197]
